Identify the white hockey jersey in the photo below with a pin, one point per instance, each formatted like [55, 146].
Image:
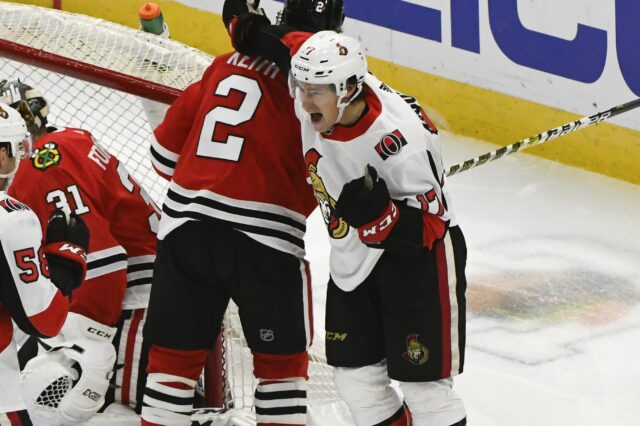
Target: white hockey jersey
[26, 294]
[395, 136]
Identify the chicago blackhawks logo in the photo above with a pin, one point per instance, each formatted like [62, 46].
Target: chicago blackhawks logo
[49, 155]
[337, 227]
[416, 352]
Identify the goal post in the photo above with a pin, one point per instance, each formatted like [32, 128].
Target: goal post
[95, 74]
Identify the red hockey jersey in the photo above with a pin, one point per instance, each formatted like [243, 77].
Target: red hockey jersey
[26, 294]
[231, 146]
[68, 168]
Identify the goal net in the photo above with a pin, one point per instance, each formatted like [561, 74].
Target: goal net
[94, 74]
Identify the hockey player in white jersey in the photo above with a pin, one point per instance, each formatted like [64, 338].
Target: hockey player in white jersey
[395, 302]
[33, 288]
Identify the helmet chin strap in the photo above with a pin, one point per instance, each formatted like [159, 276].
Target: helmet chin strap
[342, 106]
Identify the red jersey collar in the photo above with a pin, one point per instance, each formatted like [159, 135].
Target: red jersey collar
[346, 133]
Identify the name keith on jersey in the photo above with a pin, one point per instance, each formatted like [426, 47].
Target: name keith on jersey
[256, 63]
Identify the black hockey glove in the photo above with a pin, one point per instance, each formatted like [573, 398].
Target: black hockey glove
[65, 248]
[364, 203]
[243, 23]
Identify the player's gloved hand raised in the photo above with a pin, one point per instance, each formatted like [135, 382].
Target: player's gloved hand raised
[242, 18]
[364, 203]
[66, 244]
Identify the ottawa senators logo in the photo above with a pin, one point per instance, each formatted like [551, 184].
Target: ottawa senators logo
[46, 157]
[416, 352]
[390, 144]
[337, 227]
[11, 205]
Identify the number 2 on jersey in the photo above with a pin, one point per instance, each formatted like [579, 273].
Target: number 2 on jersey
[232, 147]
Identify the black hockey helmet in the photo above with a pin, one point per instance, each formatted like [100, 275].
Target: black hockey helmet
[14, 92]
[313, 15]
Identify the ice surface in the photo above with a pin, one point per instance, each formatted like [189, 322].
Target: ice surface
[553, 334]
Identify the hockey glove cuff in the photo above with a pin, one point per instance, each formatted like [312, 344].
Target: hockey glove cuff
[65, 248]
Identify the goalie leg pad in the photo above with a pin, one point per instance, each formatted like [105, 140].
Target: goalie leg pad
[368, 393]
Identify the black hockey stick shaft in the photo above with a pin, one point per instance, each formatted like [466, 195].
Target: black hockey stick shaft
[543, 137]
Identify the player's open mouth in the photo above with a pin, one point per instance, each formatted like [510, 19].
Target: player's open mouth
[316, 117]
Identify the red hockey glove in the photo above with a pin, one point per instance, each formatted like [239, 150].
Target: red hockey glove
[65, 249]
[364, 203]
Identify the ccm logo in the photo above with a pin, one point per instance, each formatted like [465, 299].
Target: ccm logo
[99, 332]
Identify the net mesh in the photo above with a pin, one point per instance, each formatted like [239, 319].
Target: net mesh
[52, 395]
[119, 123]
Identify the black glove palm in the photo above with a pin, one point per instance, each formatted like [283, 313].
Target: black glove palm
[248, 21]
[67, 268]
[363, 199]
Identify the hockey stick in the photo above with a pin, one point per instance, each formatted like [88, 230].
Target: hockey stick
[543, 137]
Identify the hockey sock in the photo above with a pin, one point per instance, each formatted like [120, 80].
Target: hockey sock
[168, 396]
[281, 394]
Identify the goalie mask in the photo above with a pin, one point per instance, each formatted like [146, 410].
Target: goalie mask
[313, 15]
[34, 107]
[68, 384]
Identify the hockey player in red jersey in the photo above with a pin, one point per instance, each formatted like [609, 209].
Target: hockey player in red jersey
[35, 278]
[397, 287]
[69, 170]
[232, 227]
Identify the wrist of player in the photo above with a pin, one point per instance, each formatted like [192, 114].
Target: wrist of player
[376, 231]
[67, 264]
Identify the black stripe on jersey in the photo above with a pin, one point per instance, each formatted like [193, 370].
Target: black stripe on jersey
[207, 202]
[236, 225]
[140, 267]
[161, 396]
[434, 170]
[114, 258]
[162, 160]
[281, 394]
[280, 411]
[139, 281]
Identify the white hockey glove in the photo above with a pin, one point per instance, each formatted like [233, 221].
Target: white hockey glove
[69, 382]
[222, 417]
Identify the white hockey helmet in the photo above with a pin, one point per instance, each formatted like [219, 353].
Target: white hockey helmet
[333, 58]
[14, 135]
